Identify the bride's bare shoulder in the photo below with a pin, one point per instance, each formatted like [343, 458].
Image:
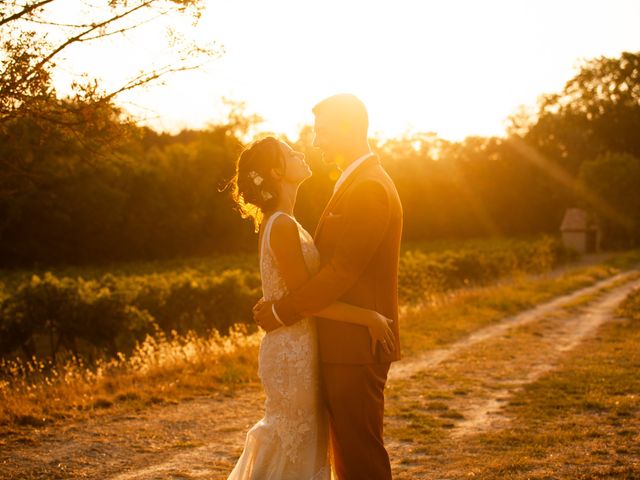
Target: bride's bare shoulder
[286, 248]
[284, 230]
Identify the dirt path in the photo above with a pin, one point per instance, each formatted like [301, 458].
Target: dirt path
[487, 368]
[431, 359]
[530, 351]
[198, 438]
[202, 437]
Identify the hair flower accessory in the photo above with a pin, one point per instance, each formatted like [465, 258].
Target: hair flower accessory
[257, 179]
[266, 195]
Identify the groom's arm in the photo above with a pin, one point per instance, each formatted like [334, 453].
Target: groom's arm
[365, 221]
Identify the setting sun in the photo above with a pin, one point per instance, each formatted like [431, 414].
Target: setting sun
[456, 68]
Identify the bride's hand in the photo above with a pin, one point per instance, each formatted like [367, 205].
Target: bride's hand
[380, 331]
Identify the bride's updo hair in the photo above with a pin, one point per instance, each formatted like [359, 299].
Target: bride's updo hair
[253, 188]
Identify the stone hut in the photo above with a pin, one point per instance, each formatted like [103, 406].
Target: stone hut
[580, 231]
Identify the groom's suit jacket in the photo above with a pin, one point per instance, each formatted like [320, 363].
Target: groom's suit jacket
[358, 237]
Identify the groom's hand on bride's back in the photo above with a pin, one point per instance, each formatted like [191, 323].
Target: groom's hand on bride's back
[258, 304]
[263, 315]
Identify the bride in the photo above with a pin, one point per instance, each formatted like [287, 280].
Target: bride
[291, 441]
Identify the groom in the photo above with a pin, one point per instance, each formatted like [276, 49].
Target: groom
[358, 237]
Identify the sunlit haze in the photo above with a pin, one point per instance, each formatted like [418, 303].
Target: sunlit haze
[456, 68]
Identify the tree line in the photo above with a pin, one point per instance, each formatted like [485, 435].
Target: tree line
[105, 189]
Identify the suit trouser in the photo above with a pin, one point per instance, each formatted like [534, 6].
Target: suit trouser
[355, 400]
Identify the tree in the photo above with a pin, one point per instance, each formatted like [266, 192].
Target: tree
[598, 111]
[615, 178]
[88, 118]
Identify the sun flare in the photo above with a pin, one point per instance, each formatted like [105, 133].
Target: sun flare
[456, 68]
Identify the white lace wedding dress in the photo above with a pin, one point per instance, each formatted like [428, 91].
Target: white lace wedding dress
[291, 441]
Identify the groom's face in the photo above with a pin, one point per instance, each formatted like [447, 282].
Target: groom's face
[327, 137]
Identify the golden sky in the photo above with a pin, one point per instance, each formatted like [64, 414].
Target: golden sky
[454, 67]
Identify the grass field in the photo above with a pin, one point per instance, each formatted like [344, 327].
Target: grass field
[96, 312]
[534, 400]
[164, 368]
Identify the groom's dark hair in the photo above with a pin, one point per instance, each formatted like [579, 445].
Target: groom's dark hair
[346, 109]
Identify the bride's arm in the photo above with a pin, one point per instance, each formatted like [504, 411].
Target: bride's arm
[287, 251]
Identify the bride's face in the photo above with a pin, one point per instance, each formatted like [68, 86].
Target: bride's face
[296, 169]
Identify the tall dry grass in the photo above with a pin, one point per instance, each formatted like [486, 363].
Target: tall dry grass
[160, 369]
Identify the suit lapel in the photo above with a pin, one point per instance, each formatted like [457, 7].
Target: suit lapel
[337, 196]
